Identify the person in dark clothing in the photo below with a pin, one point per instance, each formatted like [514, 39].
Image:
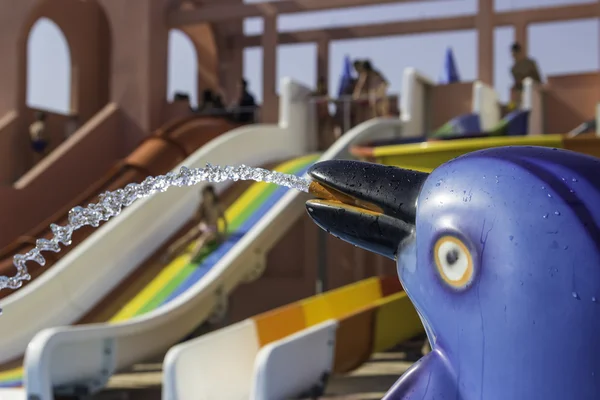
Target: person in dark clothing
[244, 111]
[524, 67]
[38, 136]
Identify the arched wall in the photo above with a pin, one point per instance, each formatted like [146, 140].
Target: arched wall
[208, 58]
[86, 29]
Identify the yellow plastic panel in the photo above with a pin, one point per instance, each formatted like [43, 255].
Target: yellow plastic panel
[341, 302]
[427, 156]
[396, 321]
[279, 323]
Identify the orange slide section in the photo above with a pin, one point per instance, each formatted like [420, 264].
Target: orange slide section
[157, 154]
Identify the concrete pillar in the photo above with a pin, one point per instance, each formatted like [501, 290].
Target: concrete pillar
[230, 66]
[521, 36]
[13, 49]
[207, 56]
[485, 41]
[139, 63]
[269, 44]
[323, 59]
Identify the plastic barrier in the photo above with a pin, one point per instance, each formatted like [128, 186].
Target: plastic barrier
[342, 301]
[413, 103]
[486, 105]
[531, 100]
[416, 102]
[295, 365]
[389, 331]
[144, 226]
[294, 358]
[232, 349]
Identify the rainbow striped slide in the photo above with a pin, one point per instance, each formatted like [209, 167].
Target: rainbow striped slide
[181, 274]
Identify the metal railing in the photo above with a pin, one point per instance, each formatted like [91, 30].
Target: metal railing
[345, 112]
[247, 114]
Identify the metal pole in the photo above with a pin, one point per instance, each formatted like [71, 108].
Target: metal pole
[321, 284]
[347, 122]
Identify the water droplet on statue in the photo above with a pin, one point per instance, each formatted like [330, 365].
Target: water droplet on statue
[556, 212]
[575, 295]
[574, 179]
[546, 216]
[594, 299]
[511, 237]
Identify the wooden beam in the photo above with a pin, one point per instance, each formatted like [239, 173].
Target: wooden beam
[547, 14]
[225, 12]
[368, 31]
[432, 25]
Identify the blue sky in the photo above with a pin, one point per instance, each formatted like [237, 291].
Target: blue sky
[566, 47]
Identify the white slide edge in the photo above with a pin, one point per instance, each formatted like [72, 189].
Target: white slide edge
[141, 337]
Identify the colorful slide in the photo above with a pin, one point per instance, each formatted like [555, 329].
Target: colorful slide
[179, 275]
[289, 352]
[158, 154]
[157, 310]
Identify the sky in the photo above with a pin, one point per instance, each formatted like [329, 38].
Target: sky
[559, 48]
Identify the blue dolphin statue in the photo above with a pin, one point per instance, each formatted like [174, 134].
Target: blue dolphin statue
[499, 251]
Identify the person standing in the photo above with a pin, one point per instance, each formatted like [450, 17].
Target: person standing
[523, 67]
[245, 109]
[38, 136]
[71, 126]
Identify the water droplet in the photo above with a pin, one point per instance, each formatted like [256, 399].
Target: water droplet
[556, 212]
[511, 237]
[521, 282]
[543, 187]
[594, 299]
[566, 247]
[575, 295]
[574, 179]
[546, 216]
[549, 195]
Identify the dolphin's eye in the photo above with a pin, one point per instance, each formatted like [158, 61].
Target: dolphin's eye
[453, 261]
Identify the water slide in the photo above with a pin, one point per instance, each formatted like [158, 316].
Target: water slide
[290, 351]
[154, 284]
[418, 101]
[157, 154]
[81, 279]
[429, 155]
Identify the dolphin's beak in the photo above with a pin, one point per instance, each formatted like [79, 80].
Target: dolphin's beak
[369, 205]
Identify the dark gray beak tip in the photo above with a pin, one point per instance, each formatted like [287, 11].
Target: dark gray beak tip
[372, 231]
[393, 190]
